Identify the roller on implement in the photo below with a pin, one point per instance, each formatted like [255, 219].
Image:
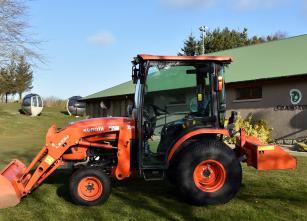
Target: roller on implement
[161, 138]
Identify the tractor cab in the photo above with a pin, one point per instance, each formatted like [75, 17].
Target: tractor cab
[173, 96]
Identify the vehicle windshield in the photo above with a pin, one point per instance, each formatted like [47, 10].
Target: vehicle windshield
[173, 92]
[173, 87]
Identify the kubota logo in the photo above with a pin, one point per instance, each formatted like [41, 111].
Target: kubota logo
[93, 129]
[295, 96]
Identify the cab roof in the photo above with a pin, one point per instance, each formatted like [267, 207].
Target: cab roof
[222, 59]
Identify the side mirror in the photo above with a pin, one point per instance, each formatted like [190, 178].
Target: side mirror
[135, 72]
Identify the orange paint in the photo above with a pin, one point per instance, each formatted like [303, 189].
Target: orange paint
[263, 156]
[220, 83]
[194, 133]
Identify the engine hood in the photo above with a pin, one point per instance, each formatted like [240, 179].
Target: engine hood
[102, 124]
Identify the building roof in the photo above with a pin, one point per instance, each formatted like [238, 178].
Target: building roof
[121, 89]
[274, 59]
[281, 58]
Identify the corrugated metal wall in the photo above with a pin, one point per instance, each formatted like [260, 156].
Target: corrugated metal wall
[116, 107]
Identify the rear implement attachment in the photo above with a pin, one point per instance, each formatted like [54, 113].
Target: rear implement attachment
[264, 156]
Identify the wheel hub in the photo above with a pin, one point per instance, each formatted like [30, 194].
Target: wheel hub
[206, 173]
[209, 175]
[90, 188]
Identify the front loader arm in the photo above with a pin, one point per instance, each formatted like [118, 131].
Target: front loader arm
[17, 180]
[48, 159]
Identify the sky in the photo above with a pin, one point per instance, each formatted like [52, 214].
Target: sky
[88, 45]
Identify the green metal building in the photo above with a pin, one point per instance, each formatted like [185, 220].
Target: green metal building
[268, 80]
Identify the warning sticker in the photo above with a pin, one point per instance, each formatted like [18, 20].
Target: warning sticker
[266, 147]
[49, 160]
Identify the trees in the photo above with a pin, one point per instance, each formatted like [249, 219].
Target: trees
[223, 39]
[14, 34]
[15, 77]
[218, 39]
[16, 42]
[24, 77]
[8, 77]
[191, 46]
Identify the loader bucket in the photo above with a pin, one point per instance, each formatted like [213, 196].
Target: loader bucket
[10, 194]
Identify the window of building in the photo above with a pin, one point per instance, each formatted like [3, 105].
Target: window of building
[247, 93]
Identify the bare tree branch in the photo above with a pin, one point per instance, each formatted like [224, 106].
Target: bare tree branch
[14, 39]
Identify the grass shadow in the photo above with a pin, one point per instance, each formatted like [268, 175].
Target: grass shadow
[156, 197]
[21, 112]
[65, 113]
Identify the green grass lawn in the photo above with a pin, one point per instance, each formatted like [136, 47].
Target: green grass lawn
[268, 195]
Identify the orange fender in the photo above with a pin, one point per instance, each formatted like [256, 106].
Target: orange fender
[192, 134]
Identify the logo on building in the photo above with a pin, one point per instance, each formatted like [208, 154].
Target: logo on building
[295, 96]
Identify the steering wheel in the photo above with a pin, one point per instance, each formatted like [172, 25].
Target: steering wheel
[149, 117]
[150, 114]
[194, 105]
[158, 110]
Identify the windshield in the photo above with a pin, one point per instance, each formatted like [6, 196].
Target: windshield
[173, 86]
[175, 97]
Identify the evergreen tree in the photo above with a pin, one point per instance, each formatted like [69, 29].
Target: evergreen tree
[8, 79]
[219, 40]
[24, 76]
[16, 77]
[223, 39]
[191, 47]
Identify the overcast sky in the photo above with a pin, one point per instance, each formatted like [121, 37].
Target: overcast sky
[89, 44]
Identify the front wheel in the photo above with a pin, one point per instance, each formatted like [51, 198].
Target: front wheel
[208, 173]
[89, 186]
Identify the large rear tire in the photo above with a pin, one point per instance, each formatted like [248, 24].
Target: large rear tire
[208, 173]
[171, 173]
[89, 187]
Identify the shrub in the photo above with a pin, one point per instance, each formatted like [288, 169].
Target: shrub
[302, 145]
[54, 102]
[257, 128]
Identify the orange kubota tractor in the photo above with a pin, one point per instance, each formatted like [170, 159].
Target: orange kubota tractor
[175, 129]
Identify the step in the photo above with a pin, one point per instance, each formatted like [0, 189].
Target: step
[153, 174]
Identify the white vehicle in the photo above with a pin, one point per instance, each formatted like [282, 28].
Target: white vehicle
[32, 104]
